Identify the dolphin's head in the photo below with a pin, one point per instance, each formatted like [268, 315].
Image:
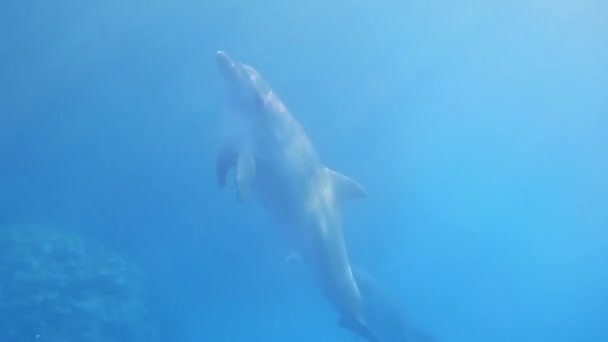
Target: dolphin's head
[245, 85]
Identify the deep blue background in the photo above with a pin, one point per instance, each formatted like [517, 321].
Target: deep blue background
[478, 128]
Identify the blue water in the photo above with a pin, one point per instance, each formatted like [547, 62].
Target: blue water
[479, 130]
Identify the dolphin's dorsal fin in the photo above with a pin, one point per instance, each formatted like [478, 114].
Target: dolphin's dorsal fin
[245, 174]
[345, 187]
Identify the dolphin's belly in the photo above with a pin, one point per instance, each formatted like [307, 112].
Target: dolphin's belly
[295, 191]
[282, 190]
[287, 194]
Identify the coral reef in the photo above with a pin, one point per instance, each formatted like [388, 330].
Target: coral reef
[56, 286]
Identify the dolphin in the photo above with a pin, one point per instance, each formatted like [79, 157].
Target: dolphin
[275, 162]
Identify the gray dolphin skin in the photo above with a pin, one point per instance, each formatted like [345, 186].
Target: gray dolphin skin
[275, 162]
[384, 314]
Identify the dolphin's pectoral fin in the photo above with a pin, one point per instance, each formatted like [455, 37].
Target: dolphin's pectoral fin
[245, 174]
[226, 159]
[345, 187]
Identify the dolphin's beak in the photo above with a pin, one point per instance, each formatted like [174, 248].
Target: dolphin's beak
[225, 62]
